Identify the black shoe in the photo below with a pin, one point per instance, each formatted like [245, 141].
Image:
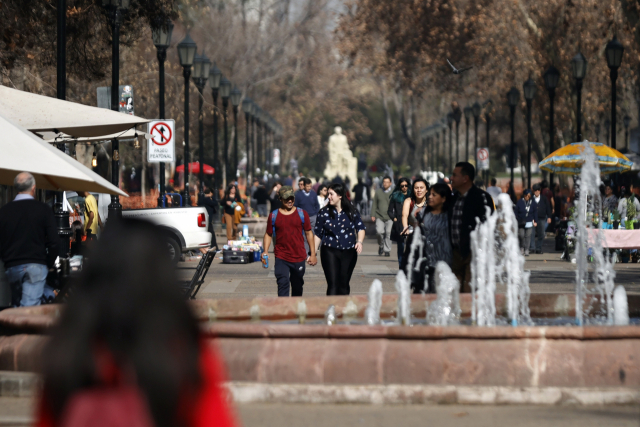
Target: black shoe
[387, 254]
[380, 251]
[539, 252]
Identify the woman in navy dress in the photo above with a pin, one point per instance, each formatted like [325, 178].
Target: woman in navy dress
[340, 232]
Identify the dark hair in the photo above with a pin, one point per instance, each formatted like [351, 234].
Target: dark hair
[415, 181]
[467, 169]
[493, 182]
[536, 187]
[544, 184]
[135, 316]
[397, 195]
[320, 188]
[207, 190]
[442, 190]
[228, 191]
[347, 207]
[387, 177]
[306, 181]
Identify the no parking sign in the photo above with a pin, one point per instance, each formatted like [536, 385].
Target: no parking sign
[483, 159]
[162, 143]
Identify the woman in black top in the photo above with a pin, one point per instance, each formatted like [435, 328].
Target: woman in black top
[340, 231]
[396, 201]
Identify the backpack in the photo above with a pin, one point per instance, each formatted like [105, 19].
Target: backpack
[274, 214]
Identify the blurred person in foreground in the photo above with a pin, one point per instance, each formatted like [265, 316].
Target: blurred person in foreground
[127, 350]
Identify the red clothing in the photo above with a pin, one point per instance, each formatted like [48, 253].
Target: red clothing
[210, 409]
[548, 194]
[289, 245]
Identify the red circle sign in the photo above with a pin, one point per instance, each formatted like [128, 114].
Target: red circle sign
[482, 154]
[163, 131]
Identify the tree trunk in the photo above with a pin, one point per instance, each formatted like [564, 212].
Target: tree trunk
[390, 132]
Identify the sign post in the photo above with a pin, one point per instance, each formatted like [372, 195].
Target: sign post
[162, 144]
[483, 159]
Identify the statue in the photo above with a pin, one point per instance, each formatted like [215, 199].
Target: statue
[341, 159]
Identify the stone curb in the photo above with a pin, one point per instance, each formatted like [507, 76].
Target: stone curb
[19, 384]
[243, 392]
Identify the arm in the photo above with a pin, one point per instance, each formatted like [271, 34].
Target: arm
[374, 207]
[391, 210]
[359, 242]
[312, 247]
[405, 214]
[266, 243]
[90, 221]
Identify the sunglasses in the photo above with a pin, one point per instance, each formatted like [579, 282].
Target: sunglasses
[404, 186]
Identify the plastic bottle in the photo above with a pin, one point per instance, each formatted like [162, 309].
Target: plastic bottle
[624, 220]
[245, 230]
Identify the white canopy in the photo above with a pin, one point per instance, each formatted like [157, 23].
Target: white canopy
[53, 170]
[38, 113]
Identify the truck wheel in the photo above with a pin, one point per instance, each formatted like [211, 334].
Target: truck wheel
[174, 248]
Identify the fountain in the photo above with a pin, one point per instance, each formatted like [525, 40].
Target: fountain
[445, 310]
[374, 348]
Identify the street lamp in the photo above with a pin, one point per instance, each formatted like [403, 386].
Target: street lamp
[488, 110]
[627, 121]
[225, 92]
[530, 90]
[443, 142]
[614, 53]
[200, 76]
[115, 8]
[468, 113]
[186, 52]
[257, 114]
[457, 115]
[607, 127]
[215, 75]
[162, 40]
[477, 109]
[247, 107]
[236, 95]
[579, 67]
[551, 77]
[450, 123]
[513, 96]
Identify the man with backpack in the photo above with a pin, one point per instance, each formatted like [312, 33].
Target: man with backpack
[288, 227]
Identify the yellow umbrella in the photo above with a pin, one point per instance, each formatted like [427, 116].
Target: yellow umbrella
[568, 159]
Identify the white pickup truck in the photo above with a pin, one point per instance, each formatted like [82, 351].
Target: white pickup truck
[185, 229]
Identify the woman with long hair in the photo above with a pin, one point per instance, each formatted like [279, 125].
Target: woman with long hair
[127, 348]
[414, 206]
[396, 202]
[340, 232]
[230, 203]
[435, 232]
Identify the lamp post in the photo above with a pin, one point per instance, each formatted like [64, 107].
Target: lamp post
[61, 215]
[551, 77]
[513, 96]
[607, 128]
[162, 40]
[258, 123]
[443, 142]
[254, 152]
[200, 77]
[468, 113]
[450, 123]
[579, 66]
[457, 115]
[187, 52]
[627, 121]
[247, 108]
[214, 83]
[488, 110]
[225, 92]
[236, 95]
[529, 89]
[614, 53]
[477, 109]
[115, 8]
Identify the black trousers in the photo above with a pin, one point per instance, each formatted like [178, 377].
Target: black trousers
[289, 274]
[338, 265]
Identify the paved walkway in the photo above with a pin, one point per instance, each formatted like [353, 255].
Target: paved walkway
[18, 412]
[548, 274]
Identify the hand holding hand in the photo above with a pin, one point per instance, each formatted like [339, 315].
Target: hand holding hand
[313, 260]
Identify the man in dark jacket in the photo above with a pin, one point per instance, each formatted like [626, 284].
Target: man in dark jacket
[468, 203]
[28, 242]
[211, 205]
[544, 218]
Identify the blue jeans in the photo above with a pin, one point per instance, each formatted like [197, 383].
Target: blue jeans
[27, 284]
[400, 251]
[537, 236]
